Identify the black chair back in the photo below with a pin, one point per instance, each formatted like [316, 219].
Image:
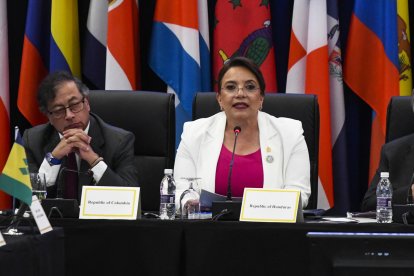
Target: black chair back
[302, 107]
[151, 117]
[400, 118]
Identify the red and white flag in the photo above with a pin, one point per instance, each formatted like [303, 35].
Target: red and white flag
[122, 56]
[5, 200]
[308, 72]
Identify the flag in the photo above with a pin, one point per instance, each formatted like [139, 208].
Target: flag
[95, 40]
[51, 43]
[179, 52]
[371, 63]
[342, 197]
[15, 179]
[64, 44]
[122, 54]
[35, 59]
[244, 29]
[281, 13]
[404, 48]
[5, 200]
[308, 72]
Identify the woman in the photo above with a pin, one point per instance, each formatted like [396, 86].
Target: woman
[270, 152]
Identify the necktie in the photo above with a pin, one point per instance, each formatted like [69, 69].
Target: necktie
[71, 177]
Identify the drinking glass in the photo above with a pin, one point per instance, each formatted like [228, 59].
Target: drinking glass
[38, 181]
[190, 199]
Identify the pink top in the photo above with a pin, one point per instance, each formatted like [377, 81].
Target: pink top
[247, 172]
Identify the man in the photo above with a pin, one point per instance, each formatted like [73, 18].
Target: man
[76, 147]
[397, 158]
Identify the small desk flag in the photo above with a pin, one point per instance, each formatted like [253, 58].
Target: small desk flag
[15, 179]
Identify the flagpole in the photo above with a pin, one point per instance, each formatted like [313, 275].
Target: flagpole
[16, 131]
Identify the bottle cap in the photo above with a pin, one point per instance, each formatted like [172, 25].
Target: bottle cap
[385, 174]
[168, 171]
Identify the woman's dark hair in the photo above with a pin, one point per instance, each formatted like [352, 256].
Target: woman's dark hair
[49, 86]
[246, 63]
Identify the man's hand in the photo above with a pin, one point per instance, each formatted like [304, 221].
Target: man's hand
[75, 140]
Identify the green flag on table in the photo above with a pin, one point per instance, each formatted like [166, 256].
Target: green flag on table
[15, 179]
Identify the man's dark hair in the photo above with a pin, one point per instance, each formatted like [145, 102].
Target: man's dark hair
[246, 63]
[49, 86]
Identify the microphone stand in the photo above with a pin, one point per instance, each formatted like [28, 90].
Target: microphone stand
[59, 184]
[409, 192]
[229, 209]
[236, 134]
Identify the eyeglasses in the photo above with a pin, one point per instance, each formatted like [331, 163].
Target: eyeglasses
[233, 88]
[61, 112]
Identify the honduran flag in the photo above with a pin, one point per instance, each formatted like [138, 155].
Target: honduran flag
[308, 72]
[51, 43]
[5, 200]
[122, 55]
[244, 29]
[179, 52]
[95, 40]
[371, 63]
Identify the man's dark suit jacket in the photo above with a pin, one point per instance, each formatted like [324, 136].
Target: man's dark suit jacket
[115, 145]
[397, 158]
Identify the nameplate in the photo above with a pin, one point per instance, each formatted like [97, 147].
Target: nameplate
[39, 216]
[2, 241]
[270, 205]
[104, 202]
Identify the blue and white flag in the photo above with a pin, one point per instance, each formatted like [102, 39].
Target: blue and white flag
[338, 133]
[94, 51]
[179, 52]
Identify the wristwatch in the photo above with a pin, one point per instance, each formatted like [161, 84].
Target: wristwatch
[52, 160]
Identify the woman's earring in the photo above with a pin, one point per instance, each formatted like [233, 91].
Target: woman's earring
[221, 108]
[260, 108]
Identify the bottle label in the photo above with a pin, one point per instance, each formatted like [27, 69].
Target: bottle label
[167, 199]
[383, 201]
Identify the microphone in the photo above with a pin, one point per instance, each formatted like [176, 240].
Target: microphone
[409, 192]
[236, 130]
[229, 209]
[59, 187]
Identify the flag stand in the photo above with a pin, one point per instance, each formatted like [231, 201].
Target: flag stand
[17, 163]
[12, 230]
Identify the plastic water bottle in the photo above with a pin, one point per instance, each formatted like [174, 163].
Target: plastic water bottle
[384, 199]
[167, 195]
